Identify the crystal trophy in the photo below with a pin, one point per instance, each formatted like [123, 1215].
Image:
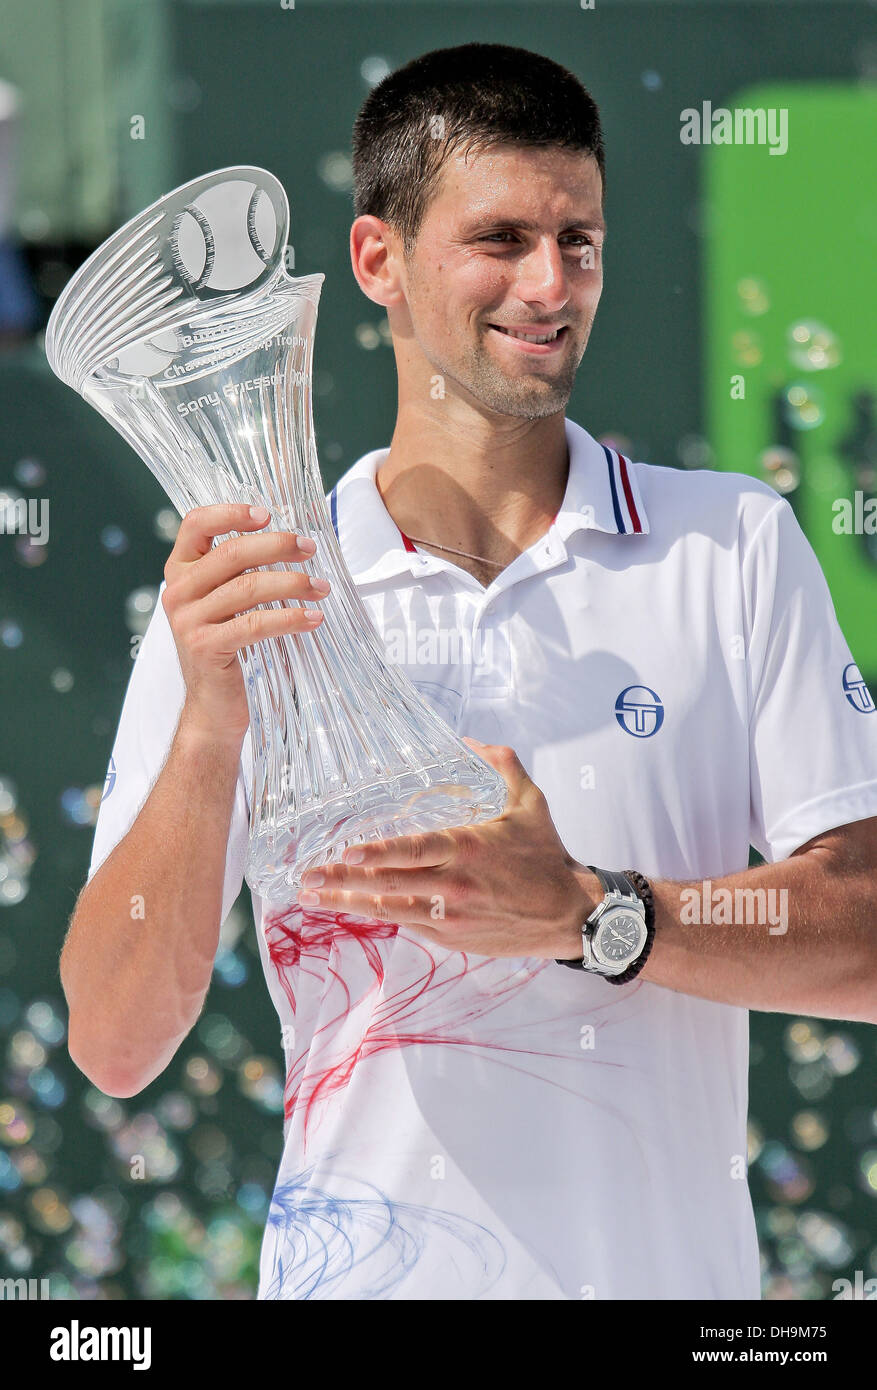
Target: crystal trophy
[186, 332]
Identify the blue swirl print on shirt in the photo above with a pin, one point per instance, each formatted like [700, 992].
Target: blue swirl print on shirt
[320, 1238]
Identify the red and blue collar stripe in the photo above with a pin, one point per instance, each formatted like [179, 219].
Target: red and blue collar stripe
[623, 505]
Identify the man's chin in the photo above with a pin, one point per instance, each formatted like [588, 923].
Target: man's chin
[522, 397]
[522, 401]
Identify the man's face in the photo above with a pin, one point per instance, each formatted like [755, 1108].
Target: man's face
[512, 239]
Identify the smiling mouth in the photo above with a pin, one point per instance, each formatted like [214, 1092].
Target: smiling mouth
[531, 337]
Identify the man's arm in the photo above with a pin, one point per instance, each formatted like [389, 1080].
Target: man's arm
[799, 936]
[508, 887]
[139, 952]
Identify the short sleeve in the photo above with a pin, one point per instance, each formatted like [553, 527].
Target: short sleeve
[147, 725]
[813, 724]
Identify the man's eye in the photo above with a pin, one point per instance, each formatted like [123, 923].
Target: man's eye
[579, 237]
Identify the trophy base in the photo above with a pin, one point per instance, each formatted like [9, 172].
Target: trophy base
[278, 858]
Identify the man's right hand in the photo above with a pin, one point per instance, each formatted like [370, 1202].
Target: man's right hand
[211, 601]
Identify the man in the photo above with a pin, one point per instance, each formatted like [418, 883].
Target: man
[516, 1052]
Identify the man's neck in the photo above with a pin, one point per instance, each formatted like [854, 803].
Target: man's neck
[491, 492]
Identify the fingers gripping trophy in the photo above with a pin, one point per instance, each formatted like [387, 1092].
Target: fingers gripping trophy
[186, 332]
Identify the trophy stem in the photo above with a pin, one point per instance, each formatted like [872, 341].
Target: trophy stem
[342, 752]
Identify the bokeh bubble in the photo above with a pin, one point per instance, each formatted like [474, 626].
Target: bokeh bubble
[811, 346]
[752, 295]
[803, 406]
[114, 540]
[166, 524]
[781, 467]
[61, 680]
[139, 608]
[747, 348]
[30, 472]
[694, 451]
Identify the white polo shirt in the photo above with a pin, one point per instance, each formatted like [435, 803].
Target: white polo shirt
[667, 664]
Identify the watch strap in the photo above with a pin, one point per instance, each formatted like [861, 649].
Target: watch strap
[612, 882]
[643, 891]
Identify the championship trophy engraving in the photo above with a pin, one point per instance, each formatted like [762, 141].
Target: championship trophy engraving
[186, 332]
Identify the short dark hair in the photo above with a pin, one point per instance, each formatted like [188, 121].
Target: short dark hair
[476, 96]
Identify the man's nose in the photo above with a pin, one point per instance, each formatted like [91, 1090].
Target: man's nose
[543, 274]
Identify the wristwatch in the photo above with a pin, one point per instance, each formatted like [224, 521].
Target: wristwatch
[617, 937]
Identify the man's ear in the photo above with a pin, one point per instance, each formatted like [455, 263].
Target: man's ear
[376, 258]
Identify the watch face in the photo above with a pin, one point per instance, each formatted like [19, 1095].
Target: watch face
[618, 936]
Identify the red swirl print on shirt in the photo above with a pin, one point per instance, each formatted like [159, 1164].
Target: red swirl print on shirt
[356, 987]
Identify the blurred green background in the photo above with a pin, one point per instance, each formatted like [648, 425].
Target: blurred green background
[723, 263]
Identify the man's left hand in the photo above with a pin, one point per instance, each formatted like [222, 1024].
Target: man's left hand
[504, 887]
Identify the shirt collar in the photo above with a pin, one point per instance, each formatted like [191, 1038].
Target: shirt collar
[602, 493]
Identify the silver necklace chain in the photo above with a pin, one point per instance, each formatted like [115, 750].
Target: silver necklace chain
[498, 564]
